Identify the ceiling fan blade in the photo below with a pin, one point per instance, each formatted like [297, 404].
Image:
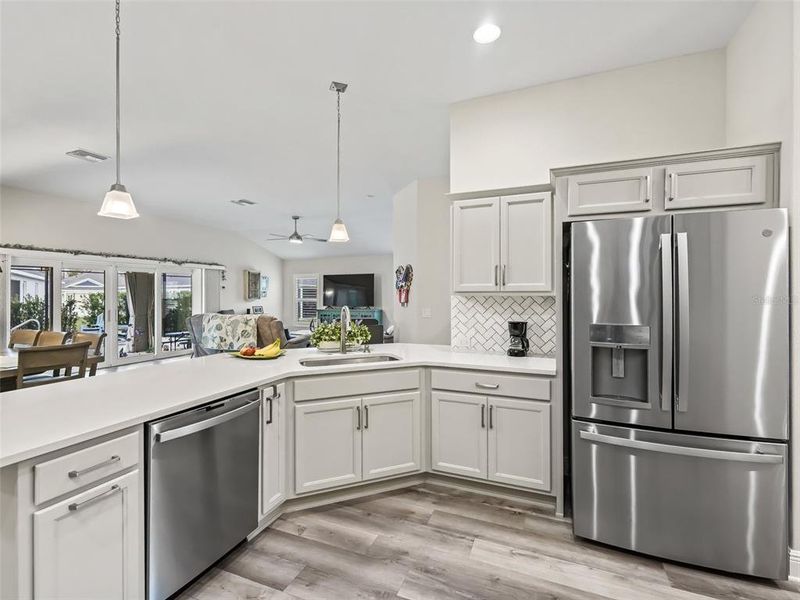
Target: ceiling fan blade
[314, 238]
[282, 238]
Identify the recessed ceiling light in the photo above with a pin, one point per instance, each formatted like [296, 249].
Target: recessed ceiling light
[486, 34]
[243, 202]
[87, 155]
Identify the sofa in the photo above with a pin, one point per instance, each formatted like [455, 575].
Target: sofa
[268, 329]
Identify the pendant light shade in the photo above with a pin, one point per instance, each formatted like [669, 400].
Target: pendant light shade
[118, 203]
[338, 231]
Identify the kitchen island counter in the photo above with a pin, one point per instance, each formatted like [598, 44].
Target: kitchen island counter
[43, 419]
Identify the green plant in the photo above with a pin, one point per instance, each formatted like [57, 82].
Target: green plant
[69, 315]
[123, 316]
[30, 307]
[93, 306]
[176, 310]
[357, 333]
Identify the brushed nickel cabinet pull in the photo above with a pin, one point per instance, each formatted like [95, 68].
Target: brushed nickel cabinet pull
[105, 463]
[112, 490]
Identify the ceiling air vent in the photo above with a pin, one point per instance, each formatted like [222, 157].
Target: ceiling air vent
[243, 202]
[87, 155]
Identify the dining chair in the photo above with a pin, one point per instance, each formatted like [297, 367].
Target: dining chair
[25, 337]
[34, 360]
[95, 346]
[52, 338]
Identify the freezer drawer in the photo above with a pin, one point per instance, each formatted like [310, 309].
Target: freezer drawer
[711, 502]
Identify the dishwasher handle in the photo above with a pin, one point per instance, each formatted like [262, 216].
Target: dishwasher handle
[179, 432]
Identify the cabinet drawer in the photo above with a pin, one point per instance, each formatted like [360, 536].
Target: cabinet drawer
[80, 468]
[361, 384]
[517, 386]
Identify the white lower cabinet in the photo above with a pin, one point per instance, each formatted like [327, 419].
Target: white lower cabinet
[499, 439]
[327, 444]
[339, 442]
[519, 443]
[273, 449]
[458, 434]
[89, 546]
[391, 435]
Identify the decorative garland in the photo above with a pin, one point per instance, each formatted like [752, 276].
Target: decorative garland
[175, 261]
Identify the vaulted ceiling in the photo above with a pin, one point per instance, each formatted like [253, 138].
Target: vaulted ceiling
[225, 100]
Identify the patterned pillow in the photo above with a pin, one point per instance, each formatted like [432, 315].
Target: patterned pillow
[228, 332]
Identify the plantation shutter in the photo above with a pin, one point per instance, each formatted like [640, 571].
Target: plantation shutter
[306, 296]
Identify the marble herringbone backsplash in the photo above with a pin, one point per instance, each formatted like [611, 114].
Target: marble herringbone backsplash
[481, 322]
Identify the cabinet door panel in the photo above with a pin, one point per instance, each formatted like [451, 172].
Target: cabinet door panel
[724, 182]
[391, 435]
[519, 443]
[458, 434]
[525, 242]
[327, 444]
[273, 449]
[476, 245]
[90, 546]
[624, 190]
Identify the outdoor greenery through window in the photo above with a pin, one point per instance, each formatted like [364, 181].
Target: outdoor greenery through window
[83, 301]
[305, 297]
[176, 307]
[32, 296]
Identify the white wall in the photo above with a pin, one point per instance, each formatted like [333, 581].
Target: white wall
[421, 231]
[763, 105]
[514, 139]
[47, 221]
[380, 265]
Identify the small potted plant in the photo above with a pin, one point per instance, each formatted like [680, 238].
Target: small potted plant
[327, 336]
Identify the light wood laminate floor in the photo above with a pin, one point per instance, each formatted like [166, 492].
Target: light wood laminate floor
[433, 542]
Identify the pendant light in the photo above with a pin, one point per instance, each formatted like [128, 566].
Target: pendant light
[118, 203]
[338, 231]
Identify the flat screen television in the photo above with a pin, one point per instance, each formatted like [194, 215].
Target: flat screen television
[351, 290]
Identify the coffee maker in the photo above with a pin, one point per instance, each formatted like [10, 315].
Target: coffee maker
[518, 334]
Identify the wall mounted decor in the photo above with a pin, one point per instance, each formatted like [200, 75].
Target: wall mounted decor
[252, 285]
[258, 309]
[404, 275]
[264, 285]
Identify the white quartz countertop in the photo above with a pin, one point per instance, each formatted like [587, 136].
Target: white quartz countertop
[37, 420]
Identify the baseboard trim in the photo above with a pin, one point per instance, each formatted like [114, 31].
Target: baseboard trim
[794, 564]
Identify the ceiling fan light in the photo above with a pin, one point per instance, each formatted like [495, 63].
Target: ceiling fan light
[118, 204]
[295, 239]
[339, 232]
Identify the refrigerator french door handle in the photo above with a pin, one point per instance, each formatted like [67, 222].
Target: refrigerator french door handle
[683, 322]
[612, 440]
[666, 321]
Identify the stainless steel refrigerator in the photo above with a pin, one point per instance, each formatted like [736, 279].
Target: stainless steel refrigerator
[680, 387]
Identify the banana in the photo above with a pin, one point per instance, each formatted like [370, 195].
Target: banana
[274, 349]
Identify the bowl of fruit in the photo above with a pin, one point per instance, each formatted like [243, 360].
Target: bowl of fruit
[265, 353]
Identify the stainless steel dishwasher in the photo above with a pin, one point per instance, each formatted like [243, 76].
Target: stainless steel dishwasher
[202, 489]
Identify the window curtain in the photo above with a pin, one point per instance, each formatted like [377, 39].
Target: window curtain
[141, 307]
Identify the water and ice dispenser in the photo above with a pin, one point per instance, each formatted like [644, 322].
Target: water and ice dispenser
[620, 358]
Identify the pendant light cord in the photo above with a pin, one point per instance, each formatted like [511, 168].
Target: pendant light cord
[338, 152]
[117, 89]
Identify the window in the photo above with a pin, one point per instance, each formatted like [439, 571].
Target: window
[305, 295]
[176, 307]
[83, 301]
[135, 313]
[32, 296]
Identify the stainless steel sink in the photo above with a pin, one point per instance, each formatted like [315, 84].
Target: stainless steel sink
[331, 361]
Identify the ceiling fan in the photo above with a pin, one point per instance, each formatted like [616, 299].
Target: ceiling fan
[295, 238]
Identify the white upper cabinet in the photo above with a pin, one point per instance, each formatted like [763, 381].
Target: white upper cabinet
[723, 182]
[90, 545]
[391, 435]
[525, 243]
[624, 190]
[503, 244]
[519, 443]
[273, 449]
[476, 245]
[327, 444]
